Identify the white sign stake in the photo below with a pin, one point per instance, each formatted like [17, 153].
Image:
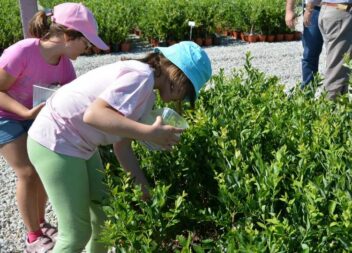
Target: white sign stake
[191, 25]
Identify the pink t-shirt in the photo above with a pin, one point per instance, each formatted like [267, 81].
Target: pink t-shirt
[24, 61]
[126, 85]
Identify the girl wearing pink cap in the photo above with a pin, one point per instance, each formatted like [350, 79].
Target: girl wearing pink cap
[42, 60]
[104, 106]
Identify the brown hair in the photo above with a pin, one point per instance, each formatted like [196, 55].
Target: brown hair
[158, 61]
[41, 27]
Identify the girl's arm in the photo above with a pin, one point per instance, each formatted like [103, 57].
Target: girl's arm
[11, 105]
[105, 118]
[129, 162]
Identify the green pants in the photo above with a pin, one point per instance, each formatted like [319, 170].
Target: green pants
[75, 190]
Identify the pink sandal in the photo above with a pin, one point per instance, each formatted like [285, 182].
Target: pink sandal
[49, 230]
[42, 245]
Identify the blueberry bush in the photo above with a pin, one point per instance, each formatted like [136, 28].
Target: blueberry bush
[257, 171]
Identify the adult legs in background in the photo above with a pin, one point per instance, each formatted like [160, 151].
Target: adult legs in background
[312, 41]
[336, 28]
[75, 189]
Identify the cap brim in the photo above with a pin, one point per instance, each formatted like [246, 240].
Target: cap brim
[96, 41]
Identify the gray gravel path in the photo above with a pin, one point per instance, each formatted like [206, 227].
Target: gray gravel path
[280, 59]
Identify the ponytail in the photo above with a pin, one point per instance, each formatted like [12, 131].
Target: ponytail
[39, 25]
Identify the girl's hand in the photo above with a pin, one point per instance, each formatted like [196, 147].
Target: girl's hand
[128, 161]
[165, 135]
[32, 113]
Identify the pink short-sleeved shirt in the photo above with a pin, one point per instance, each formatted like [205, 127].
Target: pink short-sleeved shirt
[127, 86]
[24, 61]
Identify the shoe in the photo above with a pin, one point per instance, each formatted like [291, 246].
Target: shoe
[49, 230]
[42, 245]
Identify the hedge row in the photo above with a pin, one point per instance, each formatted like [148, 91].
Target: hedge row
[164, 19]
[257, 171]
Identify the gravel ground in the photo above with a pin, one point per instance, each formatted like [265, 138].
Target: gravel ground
[280, 59]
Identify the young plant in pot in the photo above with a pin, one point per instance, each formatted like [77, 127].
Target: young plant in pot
[254, 10]
[234, 19]
[207, 15]
[150, 24]
[263, 23]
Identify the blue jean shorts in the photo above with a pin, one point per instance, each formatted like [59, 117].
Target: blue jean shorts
[11, 129]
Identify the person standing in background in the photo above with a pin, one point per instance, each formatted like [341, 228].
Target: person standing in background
[312, 39]
[335, 23]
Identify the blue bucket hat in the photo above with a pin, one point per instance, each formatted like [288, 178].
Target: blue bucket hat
[191, 59]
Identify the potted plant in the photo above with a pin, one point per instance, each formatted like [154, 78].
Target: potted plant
[254, 8]
[223, 17]
[264, 23]
[210, 8]
[149, 25]
[115, 19]
[174, 19]
[203, 13]
[235, 18]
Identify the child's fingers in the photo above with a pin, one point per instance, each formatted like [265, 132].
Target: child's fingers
[41, 105]
[158, 121]
[178, 130]
[176, 135]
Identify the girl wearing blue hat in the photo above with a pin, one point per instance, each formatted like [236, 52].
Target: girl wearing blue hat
[103, 107]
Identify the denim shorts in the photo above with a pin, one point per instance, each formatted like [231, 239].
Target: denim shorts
[11, 129]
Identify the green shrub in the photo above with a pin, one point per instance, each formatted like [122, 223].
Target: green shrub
[257, 171]
[10, 22]
[275, 13]
[164, 19]
[206, 15]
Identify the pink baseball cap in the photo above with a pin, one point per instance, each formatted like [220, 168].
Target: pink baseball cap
[78, 17]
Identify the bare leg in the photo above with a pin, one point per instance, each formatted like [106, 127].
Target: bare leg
[30, 193]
